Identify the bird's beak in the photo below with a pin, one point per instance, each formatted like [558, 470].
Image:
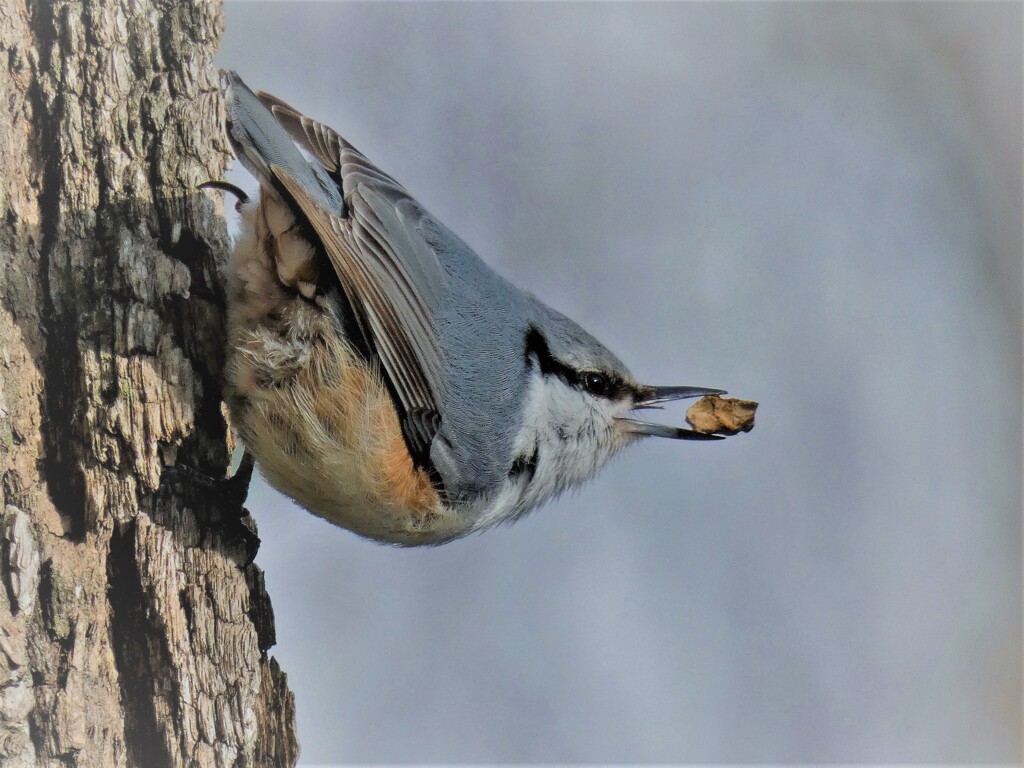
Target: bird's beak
[653, 397]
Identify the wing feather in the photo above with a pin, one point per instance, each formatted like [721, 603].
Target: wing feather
[373, 253]
[382, 260]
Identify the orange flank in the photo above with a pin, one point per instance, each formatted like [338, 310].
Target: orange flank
[318, 417]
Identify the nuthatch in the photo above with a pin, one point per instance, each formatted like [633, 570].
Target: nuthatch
[379, 372]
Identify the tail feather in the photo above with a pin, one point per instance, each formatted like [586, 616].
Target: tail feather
[260, 142]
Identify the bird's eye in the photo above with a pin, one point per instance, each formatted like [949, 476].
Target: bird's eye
[597, 383]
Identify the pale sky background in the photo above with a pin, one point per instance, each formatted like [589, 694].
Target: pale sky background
[817, 206]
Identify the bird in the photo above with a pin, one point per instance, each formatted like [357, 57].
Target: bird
[379, 372]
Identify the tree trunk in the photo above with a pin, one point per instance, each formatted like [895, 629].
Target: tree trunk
[133, 631]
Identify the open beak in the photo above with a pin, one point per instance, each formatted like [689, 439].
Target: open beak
[653, 397]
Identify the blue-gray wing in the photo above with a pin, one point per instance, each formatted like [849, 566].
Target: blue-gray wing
[387, 268]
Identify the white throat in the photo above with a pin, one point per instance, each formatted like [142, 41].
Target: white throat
[564, 438]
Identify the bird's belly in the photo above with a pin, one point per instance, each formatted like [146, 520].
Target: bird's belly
[318, 420]
[327, 435]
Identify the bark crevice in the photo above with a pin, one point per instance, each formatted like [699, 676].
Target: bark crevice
[139, 652]
[58, 358]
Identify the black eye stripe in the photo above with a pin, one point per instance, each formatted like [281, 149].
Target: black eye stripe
[596, 383]
[537, 350]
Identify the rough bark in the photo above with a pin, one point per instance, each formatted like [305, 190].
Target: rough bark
[132, 629]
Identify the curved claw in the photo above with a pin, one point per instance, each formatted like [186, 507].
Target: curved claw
[226, 186]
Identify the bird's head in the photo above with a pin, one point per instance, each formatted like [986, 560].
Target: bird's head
[583, 400]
